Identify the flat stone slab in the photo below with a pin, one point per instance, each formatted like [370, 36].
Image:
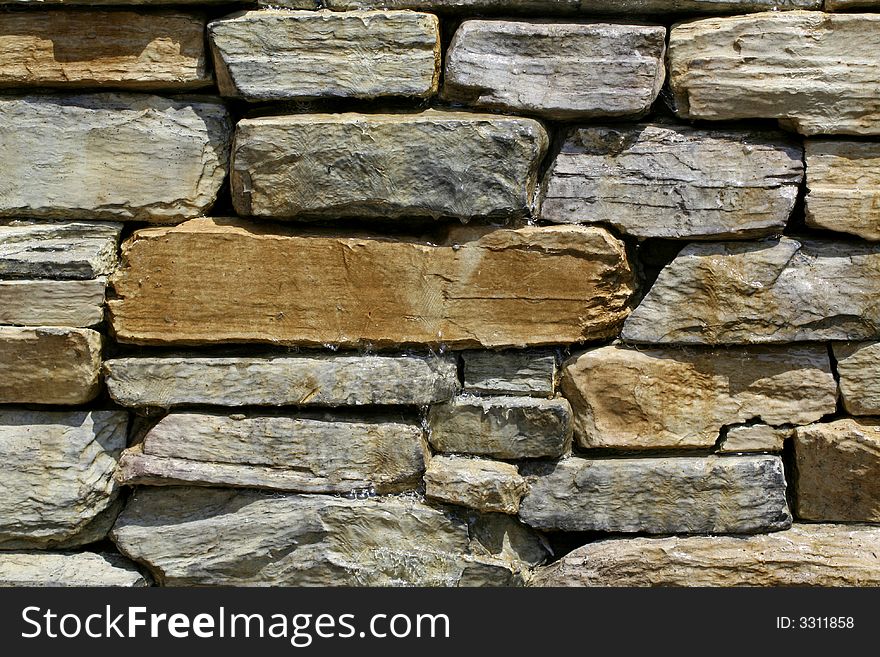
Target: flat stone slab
[474, 287]
[92, 48]
[112, 156]
[302, 55]
[669, 398]
[47, 365]
[596, 69]
[60, 250]
[222, 537]
[838, 471]
[320, 454]
[58, 486]
[78, 304]
[755, 438]
[809, 69]
[510, 372]
[315, 380]
[390, 166]
[858, 368]
[57, 569]
[501, 427]
[674, 495]
[553, 7]
[489, 486]
[805, 555]
[773, 291]
[674, 181]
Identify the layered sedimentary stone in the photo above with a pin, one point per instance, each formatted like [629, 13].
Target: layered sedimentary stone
[306, 380]
[681, 495]
[597, 69]
[111, 156]
[844, 187]
[284, 55]
[755, 438]
[510, 372]
[566, 7]
[773, 291]
[473, 287]
[834, 5]
[838, 471]
[858, 367]
[501, 427]
[489, 486]
[674, 181]
[205, 537]
[304, 454]
[810, 69]
[48, 365]
[55, 569]
[432, 164]
[62, 250]
[52, 303]
[805, 555]
[90, 48]
[503, 536]
[681, 398]
[58, 486]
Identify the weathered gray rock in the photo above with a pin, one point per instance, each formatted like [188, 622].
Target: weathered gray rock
[630, 398]
[510, 372]
[834, 5]
[755, 438]
[805, 555]
[838, 471]
[115, 49]
[66, 250]
[431, 164]
[315, 380]
[77, 304]
[111, 156]
[674, 181]
[772, 291]
[303, 454]
[488, 486]
[844, 187]
[815, 71]
[283, 55]
[505, 537]
[48, 365]
[501, 427]
[58, 486]
[593, 69]
[55, 569]
[680, 495]
[858, 368]
[210, 537]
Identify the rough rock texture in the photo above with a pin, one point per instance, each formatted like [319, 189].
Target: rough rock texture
[510, 372]
[47, 365]
[314, 380]
[771, 291]
[844, 187]
[501, 427]
[58, 487]
[503, 536]
[305, 454]
[755, 438]
[815, 71]
[53, 569]
[674, 181]
[549, 7]
[52, 303]
[283, 55]
[681, 495]
[597, 69]
[477, 286]
[431, 164]
[681, 398]
[838, 471]
[111, 156]
[65, 250]
[858, 367]
[120, 49]
[805, 555]
[210, 537]
[488, 486]
[834, 5]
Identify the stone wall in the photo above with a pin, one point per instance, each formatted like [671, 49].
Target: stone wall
[440, 292]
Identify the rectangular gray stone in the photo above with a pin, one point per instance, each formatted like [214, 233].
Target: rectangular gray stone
[65, 250]
[510, 372]
[63, 569]
[77, 304]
